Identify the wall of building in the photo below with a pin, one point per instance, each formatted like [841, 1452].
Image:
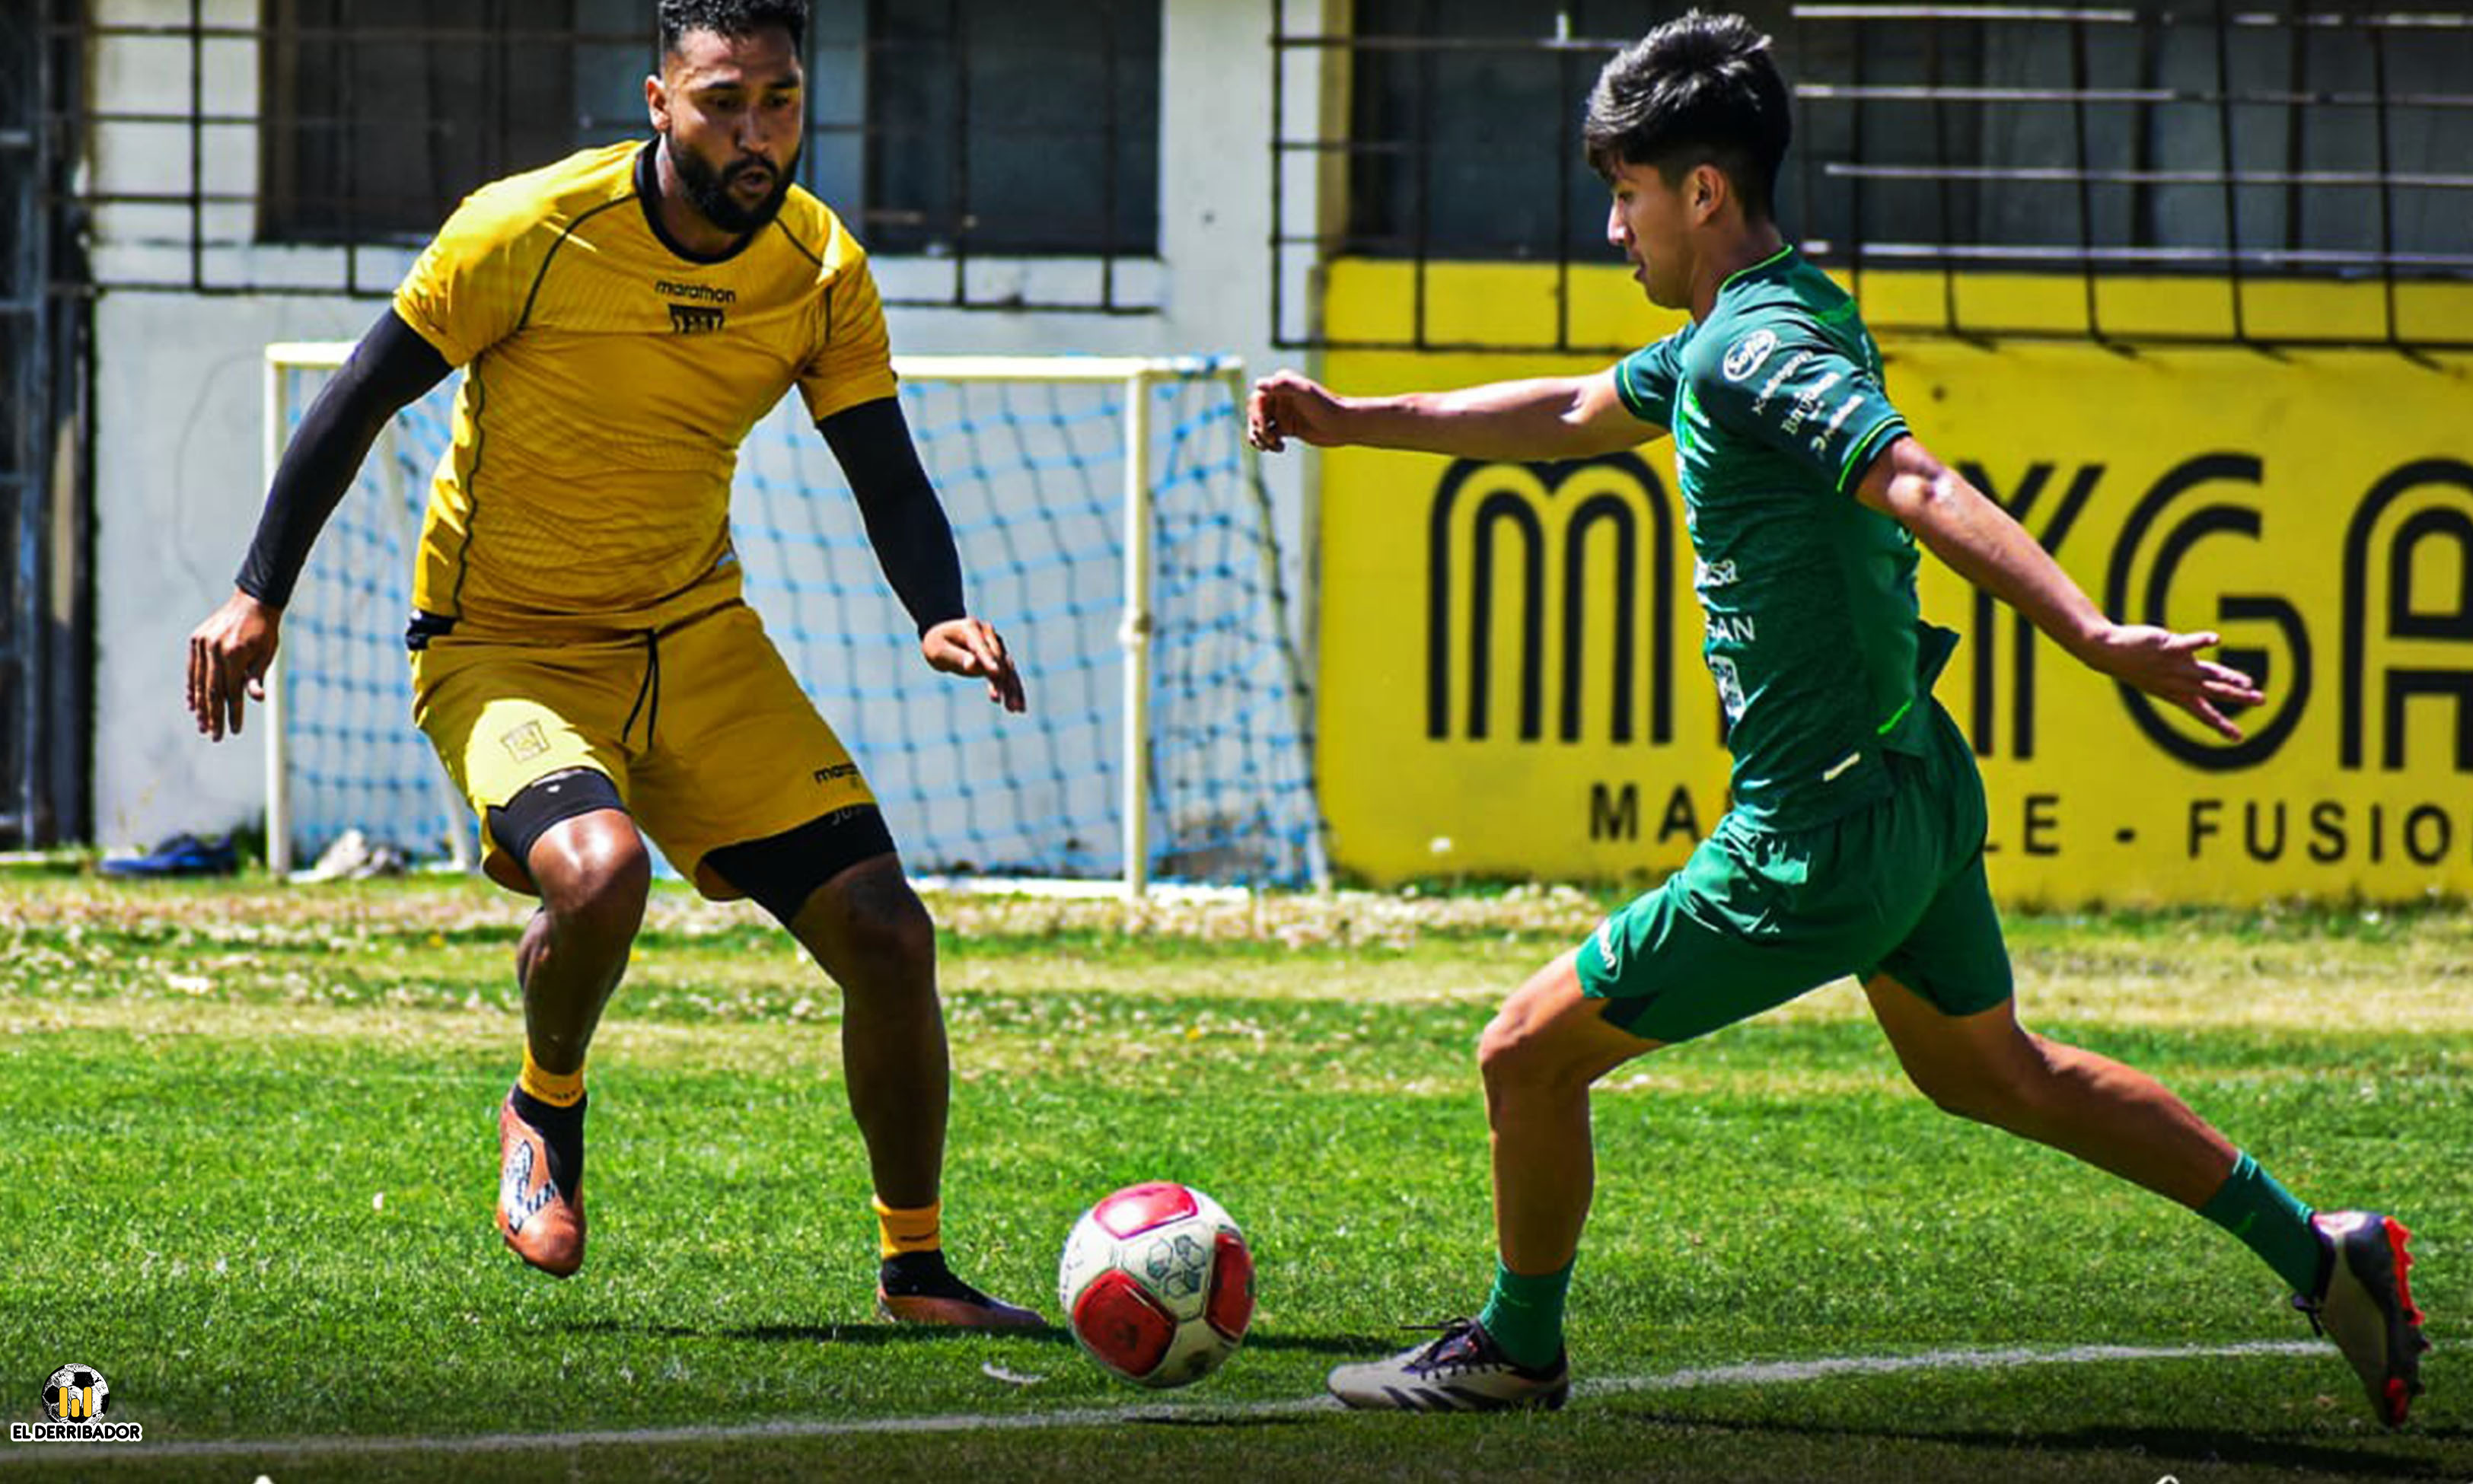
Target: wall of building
[180, 466]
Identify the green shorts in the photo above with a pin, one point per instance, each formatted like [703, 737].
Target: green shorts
[1757, 917]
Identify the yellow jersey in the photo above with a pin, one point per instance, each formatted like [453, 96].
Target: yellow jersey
[610, 378]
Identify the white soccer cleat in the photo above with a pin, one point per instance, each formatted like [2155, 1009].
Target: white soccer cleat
[1461, 1370]
[2366, 1307]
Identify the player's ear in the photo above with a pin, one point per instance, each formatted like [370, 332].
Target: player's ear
[1706, 191]
[657, 103]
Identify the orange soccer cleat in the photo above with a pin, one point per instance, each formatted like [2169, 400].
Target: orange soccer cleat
[542, 1221]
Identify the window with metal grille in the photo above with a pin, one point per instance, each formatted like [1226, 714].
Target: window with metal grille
[944, 127]
[374, 126]
[2274, 138]
[1014, 126]
[1464, 125]
[2278, 138]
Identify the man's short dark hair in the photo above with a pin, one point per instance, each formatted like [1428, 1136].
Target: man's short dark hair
[1699, 90]
[737, 19]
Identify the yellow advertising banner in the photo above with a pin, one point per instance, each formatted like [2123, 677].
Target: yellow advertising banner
[1510, 672]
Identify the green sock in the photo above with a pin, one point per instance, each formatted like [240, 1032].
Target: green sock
[1525, 1314]
[2270, 1222]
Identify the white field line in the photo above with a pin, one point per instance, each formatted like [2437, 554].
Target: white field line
[1761, 1372]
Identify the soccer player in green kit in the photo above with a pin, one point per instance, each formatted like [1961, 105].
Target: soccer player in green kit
[1853, 843]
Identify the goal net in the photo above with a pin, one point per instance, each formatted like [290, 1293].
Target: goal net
[1111, 524]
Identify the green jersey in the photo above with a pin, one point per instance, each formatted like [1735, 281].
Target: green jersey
[1814, 635]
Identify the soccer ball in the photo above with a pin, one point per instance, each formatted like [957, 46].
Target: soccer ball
[1157, 1284]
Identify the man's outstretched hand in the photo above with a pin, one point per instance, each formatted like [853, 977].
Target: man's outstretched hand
[968, 646]
[1285, 405]
[227, 659]
[2167, 665]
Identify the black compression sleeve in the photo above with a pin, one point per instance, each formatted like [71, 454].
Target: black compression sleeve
[913, 541]
[387, 370]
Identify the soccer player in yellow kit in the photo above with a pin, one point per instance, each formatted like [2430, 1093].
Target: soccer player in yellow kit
[582, 657]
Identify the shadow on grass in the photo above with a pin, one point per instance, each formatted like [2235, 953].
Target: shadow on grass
[2185, 1447]
[919, 1334]
[815, 1334]
[1206, 1421]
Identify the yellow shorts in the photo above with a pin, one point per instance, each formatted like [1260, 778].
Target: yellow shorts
[700, 727]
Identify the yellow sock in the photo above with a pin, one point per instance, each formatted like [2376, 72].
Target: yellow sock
[917, 1229]
[559, 1089]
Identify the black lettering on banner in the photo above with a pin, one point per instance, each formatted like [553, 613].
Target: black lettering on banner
[2336, 832]
[1515, 503]
[1614, 816]
[2203, 822]
[2041, 835]
[2327, 831]
[2435, 851]
[1680, 817]
[2293, 693]
[2406, 619]
[2022, 632]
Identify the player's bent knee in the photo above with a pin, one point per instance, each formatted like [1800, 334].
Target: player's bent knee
[1517, 1051]
[565, 826]
[880, 916]
[595, 880]
[1980, 1092]
[593, 873]
[1550, 1036]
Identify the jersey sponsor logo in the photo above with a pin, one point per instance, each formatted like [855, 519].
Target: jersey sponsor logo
[1808, 406]
[695, 320]
[1746, 355]
[1713, 574]
[696, 293]
[1778, 378]
[1730, 688]
[834, 773]
[1733, 627]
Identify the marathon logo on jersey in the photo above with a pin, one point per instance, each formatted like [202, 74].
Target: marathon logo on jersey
[1746, 355]
[75, 1399]
[696, 308]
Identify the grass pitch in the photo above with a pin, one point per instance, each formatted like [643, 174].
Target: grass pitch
[247, 1160]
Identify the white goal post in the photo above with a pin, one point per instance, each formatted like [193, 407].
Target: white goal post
[1111, 517]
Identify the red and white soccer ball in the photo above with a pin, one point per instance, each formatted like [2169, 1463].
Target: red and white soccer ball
[1157, 1284]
